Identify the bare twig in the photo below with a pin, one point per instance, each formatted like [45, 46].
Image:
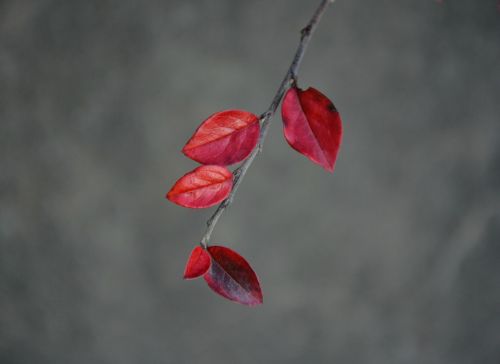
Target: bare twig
[266, 117]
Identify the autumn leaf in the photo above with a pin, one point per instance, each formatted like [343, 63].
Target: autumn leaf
[225, 138]
[312, 125]
[203, 187]
[197, 264]
[231, 276]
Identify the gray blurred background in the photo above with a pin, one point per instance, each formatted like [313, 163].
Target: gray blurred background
[395, 258]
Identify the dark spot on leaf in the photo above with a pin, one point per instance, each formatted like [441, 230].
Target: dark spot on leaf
[332, 107]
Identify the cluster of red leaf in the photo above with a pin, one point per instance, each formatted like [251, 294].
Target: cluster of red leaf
[312, 126]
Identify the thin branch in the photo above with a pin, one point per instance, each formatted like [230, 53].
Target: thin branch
[267, 116]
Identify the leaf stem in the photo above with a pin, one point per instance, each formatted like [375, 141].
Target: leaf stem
[266, 117]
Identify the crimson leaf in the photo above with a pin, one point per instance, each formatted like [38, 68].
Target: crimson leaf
[312, 125]
[197, 264]
[225, 138]
[231, 276]
[203, 187]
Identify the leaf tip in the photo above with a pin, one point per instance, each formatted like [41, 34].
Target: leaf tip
[185, 150]
[258, 301]
[329, 167]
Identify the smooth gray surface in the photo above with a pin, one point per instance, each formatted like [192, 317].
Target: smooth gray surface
[392, 259]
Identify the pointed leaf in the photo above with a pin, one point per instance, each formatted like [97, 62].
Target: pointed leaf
[203, 187]
[225, 138]
[312, 125]
[197, 264]
[231, 276]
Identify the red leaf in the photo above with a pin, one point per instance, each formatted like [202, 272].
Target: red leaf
[198, 263]
[231, 276]
[225, 138]
[203, 187]
[312, 125]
